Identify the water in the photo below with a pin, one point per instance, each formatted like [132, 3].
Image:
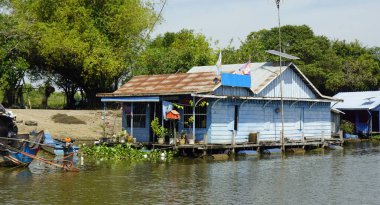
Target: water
[349, 176]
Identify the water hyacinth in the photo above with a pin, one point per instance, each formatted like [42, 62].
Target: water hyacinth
[125, 152]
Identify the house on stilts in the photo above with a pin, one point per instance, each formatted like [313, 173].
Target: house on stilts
[229, 109]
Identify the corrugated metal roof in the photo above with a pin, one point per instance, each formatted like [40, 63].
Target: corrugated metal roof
[200, 79]
[166, 84]
[262, 74]
[365, 100]
[230, 68]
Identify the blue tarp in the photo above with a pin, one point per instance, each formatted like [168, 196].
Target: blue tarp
[235, 80]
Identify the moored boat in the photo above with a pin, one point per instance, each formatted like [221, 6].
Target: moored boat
[58, 147]
[16, 149]
[20, 150]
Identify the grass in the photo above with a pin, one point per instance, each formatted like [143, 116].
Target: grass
[57, 100]
[375, 137]
[66, 119]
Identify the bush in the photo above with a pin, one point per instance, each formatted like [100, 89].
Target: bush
[347, 126]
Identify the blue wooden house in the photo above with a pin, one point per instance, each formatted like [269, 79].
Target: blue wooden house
[362, 109]
[227, 108]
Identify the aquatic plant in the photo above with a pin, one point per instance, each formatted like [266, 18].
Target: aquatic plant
[125, 152]
[375, 137]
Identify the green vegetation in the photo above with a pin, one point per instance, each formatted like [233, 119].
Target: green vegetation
[332, 65]
[66, 119]
[375, 137]
[91, 47]
[175, 52]
[125, 152]
[347, 126]
[158, 129]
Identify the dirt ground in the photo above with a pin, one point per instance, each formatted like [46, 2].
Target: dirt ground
[92, 130]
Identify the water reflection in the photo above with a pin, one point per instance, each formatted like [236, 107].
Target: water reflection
[348, 176]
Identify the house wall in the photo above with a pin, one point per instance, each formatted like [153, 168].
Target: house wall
[335, 123]
[233, 91]
[293, 86]
[141, 134]
[199, 132]
[255, 116]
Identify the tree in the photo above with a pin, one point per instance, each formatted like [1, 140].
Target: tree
[332, 66]
[89, 43]
[175, 52]
[14, 47]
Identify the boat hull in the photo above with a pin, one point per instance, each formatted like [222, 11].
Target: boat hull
[57, 147]
[19, 153]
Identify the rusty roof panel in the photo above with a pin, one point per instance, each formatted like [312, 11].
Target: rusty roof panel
[181, 83]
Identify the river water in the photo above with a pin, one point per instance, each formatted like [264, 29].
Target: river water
[349, 176]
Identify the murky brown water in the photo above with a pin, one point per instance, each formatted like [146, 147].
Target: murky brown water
[350, 176]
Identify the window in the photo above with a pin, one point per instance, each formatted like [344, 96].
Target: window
[139, 115]
[200, 116]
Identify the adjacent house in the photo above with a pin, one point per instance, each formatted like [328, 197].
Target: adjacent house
[362, 109]
[228, 107]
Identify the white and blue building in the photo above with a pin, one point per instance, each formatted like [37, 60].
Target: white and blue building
[228, 107]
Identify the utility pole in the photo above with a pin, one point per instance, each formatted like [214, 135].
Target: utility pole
[282, 99]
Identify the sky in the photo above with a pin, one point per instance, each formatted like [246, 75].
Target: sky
[223, 20]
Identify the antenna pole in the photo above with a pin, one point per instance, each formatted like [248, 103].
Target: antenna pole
[282, 99]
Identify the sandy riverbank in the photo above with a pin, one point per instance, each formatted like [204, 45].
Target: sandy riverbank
[91, 130]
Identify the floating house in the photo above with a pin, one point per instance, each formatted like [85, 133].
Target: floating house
[227, 108]
[362, 109]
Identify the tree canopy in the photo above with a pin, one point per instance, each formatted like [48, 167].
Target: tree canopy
[331, 65]
[91, 46]
[90, 43]
[175, 52]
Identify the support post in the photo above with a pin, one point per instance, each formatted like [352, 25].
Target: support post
[341, 136]
[132, 119]
[303, 140]
[194, 118]
[104, 119]
[154, 116]
[258, 138]
[233, 141]
[323, 139]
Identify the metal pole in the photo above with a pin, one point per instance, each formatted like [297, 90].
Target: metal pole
[194, 119]
[104, 119]
[282, 100]
[132, 119]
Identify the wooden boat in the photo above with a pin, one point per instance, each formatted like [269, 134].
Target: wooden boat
[58, 147]
[20, 150]
[16, 149]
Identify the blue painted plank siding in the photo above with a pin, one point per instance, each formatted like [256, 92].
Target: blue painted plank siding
[293, 86]
[141, 134]
[233, 91]
[199, 132]
[254, 117]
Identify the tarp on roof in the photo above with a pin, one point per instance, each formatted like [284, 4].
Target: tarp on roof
[365, 100]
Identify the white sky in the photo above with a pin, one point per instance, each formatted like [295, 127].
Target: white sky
[222, 20]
